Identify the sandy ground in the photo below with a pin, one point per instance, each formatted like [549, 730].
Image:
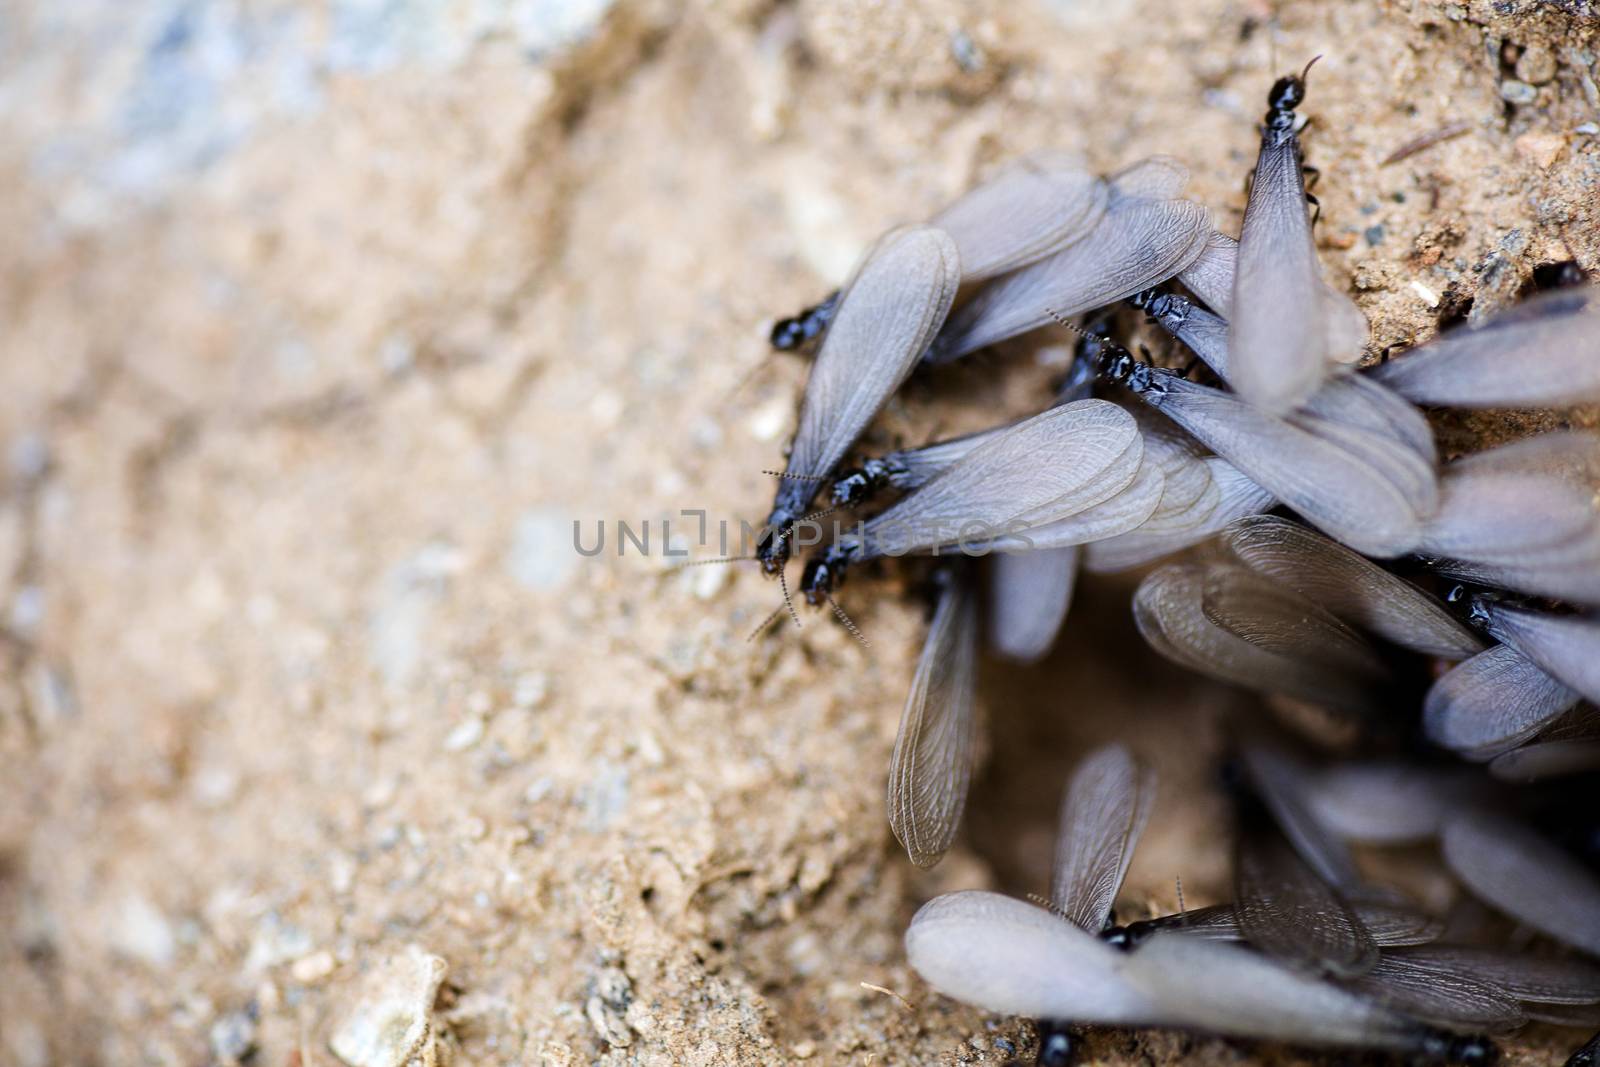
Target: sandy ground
[319, 741]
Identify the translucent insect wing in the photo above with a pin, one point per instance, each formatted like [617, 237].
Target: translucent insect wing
[1353, 399]
[1167, 609]
[1492, 703]
[1103, 812]
[1210, 277]
[1349, 585]
[1525, 876]
[1387, 803]
[892, 309]
[1284, 787]
[932, 762]
[1271, 615]
[1008, 956]
[1567, 647]
[1542, 979]
[1139, 243]
[1277, 339]
[1043, 466]
[1237, 496]
[1029, 596]
[1333, 489]
[1546, 355]
[1031, 208]
[1287, 911]
[1444, 996]
[1222, 988]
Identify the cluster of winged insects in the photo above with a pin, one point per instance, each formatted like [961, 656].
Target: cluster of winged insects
[1289, 477]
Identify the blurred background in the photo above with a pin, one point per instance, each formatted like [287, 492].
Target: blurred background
[322, 322]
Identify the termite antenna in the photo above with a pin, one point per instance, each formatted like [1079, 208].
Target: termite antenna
[1177, 880]
[1048, 905]
[1060, 320]
[795, 477]
[708, 562]
[848, 625]
[759, 630]
[783, 584]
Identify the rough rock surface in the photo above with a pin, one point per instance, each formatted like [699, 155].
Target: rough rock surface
[323, 322]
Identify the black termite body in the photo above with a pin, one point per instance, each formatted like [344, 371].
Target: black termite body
[1588, 1055]
[792, 333]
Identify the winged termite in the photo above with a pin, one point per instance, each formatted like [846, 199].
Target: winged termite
[1545, 353]
[1532, 880]
[1103, 811]
[1491, 703]
[932, 762]
[1029, 593]
[1367, 498]
[1140, 242]
[904, 470]
[1286, 323]
[1047, 469]
[1344, 398]
[1350, 586]
[1169, 609]
[886, 316]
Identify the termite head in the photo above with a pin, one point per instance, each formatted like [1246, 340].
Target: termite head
[1476, 605]
[788, 334]
[823, 573]
[1117, 365]
[1286, 94]
[773, 549]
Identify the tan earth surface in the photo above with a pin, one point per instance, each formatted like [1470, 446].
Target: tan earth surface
[321, 324]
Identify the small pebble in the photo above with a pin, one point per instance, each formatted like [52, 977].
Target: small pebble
[1374, 234]
[804, 1050]
[530, 690]
[1540, 149]
[1517, 92]
[1536, 66]
[233, 1037]
[466, 735]
[312, 968]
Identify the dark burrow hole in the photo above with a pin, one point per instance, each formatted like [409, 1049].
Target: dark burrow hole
[1101, 683]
